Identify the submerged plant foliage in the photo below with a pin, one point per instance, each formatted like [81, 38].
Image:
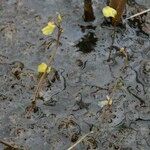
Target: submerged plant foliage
[109, 12]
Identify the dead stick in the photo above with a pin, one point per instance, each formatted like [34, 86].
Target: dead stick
[7, 144]
[80, 140]
[138, 14]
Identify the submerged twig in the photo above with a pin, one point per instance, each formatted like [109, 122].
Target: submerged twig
[113, 40]
[80, 140]
[9, 145]
[138, 14]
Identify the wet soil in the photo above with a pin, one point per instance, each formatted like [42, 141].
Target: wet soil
[67, 107]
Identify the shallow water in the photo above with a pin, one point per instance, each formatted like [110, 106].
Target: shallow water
[68, 106]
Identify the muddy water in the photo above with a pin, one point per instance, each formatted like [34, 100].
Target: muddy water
[68, 105]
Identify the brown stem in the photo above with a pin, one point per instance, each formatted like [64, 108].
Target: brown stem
[119, 6]
[88, 11]
[8, 145]
[112, 43]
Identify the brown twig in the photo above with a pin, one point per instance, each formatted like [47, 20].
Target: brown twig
[138, 14]
[112, 43]
[9, 145]
[119, 6]
[88, 11]
[80, 140]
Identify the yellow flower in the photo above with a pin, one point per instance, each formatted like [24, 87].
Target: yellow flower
[42, 68]
[109, 12]
[49, 29]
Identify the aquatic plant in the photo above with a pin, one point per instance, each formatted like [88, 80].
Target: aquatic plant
[45, 68]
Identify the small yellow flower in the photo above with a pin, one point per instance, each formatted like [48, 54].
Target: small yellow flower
[109, 12]
[42, 68]
[49, 29]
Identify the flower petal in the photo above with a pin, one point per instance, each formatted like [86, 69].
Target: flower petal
[49, 29]
[42, 68]
[109, 12]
